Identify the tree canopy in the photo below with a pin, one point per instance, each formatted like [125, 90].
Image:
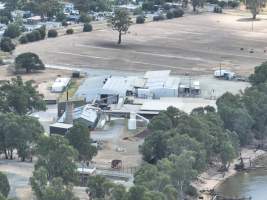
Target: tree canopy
[4, 185]
[57, 157]
[79, 138]
[7, 45]
[20, 97]
[180, 146]
[120, 22]
[255, 6]
[20, 133]
[29, 61]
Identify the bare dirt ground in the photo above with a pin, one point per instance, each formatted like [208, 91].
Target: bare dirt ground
[195, 43]
[119, 143]
[43, 79]
[18, 174]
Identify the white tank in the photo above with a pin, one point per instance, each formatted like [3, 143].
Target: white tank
[132, 121]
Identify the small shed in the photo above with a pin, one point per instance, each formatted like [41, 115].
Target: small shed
[59, 128]
[60, 84]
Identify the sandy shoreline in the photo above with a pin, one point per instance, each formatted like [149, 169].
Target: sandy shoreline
[211, 178]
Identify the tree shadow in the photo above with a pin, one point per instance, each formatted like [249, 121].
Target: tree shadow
[114, 45]
[248, 19]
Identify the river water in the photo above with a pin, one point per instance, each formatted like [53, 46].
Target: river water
[245, 184]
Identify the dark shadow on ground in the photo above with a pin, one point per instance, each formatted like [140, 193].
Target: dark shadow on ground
[113, 44]
[248, 19]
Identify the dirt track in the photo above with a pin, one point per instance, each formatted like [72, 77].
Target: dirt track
[194, 43]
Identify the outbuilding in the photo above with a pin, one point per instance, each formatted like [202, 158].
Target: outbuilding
[60, 84]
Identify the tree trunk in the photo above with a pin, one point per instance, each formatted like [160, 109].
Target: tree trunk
[11, 154]
[254, 16]
[119, 41]
[6, 155]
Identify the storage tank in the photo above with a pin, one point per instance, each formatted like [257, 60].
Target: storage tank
[132, 121]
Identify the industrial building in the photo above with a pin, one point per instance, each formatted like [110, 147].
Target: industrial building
[153, 85]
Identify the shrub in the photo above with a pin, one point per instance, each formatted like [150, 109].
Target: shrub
[61, 17]
[233, 4]
[191, 191]
[7, 45]
[4, 20]
[36, 34]
[169, 15]
[217, 9]
[84, 18]
[52, 33]
[138, 11]
[87, 27]
[42, 31]
[222, 4]
[148, 6]
[64, 23]
[23, 39]
[140, 19]
[166, 7]
[12, 31]
[178, 12]
[70, 31]
[31, 37]
[4, 185]
[158, 17]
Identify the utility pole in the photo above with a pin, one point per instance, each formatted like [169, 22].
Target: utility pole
[220, 69]
[252, 25]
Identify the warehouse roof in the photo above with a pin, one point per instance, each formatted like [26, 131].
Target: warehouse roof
[184, 104]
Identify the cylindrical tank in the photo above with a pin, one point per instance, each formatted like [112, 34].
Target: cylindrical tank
[132, 121]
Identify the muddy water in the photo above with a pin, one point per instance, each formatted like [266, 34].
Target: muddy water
[247, 184]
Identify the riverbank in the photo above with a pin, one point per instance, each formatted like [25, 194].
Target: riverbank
[211, 179]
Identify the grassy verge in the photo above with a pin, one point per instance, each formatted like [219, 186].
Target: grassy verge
[72, 88]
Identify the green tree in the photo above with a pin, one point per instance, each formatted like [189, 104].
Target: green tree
[227, 154]
[57, 157]
[7, 45]
[20, 133]
[255, 7]
[79, 138]
[150, 177]
[46, 8]
[180, 169]
[120, 22]
[29, 61]
[170, 192]
[97, 187]
[260, 74]
[118, 192]
[154, 147]
[55, 189]
[84, 18]
[235, 116]
[39, 181]
[82, 5]
[180, 143]
[160, 122]
[20, 97]
[136, 192]
[12, 31]
[4, 185]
